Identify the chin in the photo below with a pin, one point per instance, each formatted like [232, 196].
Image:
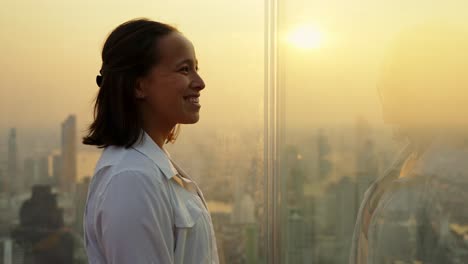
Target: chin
[191, 119]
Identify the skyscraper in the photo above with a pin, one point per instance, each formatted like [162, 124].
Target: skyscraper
[323, 149]
[367, 166]
[2, 181]
[43, 176]
[80, 201]
[29, 171]
[12, 181]
[56, 169]
[68, 176]
[36, 171]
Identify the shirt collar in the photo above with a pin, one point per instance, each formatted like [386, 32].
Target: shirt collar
[110, 156]
[159, 156]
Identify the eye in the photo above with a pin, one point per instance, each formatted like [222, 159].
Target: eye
[184, 69]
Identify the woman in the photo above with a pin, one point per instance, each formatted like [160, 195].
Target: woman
[141, 207]
[416, 212]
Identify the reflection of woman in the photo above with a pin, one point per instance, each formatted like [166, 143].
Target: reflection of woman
[142, 208]
[417, 212]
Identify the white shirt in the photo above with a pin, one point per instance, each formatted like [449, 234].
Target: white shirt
[138, 212]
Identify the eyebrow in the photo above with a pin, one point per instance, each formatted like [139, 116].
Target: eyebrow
[189, 61]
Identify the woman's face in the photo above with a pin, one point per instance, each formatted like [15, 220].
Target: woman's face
[170, 92]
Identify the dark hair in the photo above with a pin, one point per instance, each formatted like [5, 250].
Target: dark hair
[129, 52]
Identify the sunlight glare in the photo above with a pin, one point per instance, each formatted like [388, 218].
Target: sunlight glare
[305, 37]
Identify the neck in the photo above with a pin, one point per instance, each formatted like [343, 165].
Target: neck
[158, 132]
[156, 127]
[158, 136]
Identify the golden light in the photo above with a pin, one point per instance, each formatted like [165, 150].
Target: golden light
[305, 37]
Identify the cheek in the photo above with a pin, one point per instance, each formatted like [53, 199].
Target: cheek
[167, 94]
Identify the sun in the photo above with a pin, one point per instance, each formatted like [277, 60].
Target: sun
[305, 37]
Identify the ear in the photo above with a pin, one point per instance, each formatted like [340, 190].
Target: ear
[140, 89]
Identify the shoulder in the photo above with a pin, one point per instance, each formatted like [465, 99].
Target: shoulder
[443, 160]
[444, 168]
[120, 163]
[136, 191]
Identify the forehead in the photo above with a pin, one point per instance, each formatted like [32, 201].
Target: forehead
[174, 47]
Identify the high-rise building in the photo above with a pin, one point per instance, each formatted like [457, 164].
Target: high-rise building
[367, 167]
[292, 184]
[42, 219]
[56, 168]
[43, 176]
[12, 181]
[2, 181]
[29, 171]
[80, 201]
[323, 149]
[36, 171]
[346, 210]
[68, 176]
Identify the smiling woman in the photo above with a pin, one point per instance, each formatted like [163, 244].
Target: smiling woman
[142, 207]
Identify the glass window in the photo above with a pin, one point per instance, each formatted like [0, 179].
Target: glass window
[374, 96]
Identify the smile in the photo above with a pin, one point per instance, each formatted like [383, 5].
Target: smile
[193, 100]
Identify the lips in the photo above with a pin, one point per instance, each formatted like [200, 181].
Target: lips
[193, 99]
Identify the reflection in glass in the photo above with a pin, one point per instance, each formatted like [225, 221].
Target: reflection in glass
[337, 143]
[415, 212]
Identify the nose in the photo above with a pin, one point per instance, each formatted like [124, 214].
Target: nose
[197, 82]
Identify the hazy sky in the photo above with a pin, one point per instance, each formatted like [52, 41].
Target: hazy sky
[51, 55]
[337, 81]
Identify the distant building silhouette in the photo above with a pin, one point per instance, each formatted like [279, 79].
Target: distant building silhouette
[56, 168]
[80, 202]
[68, 177]
[12, 181]
[323, 150]
[36, 171]
[41, 232]
[367, 165]
[2, 181]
